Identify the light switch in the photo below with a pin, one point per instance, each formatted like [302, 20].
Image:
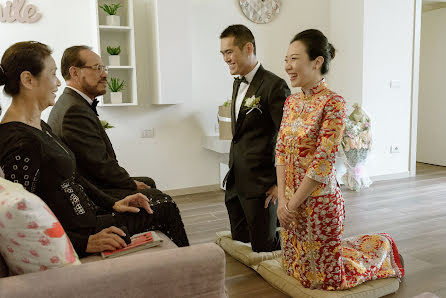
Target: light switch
[395, 83]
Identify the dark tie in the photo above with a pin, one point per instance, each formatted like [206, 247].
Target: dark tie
[94, 105]
[235, 87]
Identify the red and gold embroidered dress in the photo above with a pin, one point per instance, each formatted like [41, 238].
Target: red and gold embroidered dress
[314, 253]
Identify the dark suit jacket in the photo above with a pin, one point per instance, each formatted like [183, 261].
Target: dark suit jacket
[251, 159]
[73, 120]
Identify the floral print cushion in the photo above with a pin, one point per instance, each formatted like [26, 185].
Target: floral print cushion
[31, 237]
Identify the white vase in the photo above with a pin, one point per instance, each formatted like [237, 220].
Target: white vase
[114, 60]
[116, 97]
[112, 20]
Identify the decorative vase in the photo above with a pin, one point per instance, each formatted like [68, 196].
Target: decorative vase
[113, 20]
[116, 97]
[114, 60]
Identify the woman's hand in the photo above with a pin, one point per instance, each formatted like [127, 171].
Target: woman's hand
[132, 204]
[107, 239]
[283, 213]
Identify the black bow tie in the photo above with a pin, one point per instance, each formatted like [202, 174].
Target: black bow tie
[240, 80]
[94, 105]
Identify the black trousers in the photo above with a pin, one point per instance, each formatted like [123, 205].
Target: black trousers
[165, 218]
[122, 193]
[250, 221]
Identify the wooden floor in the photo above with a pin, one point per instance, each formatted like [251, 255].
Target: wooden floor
[412, 210]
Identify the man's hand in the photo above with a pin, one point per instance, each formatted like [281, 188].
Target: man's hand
[141, 185]
[132, 204]
[107, 239]
[272, 194]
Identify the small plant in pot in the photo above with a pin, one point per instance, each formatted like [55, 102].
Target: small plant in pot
[114, 59]
[112, 19]
[116, 85]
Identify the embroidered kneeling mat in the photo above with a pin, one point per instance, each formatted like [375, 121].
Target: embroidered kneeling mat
[242, 251]
[275, 275]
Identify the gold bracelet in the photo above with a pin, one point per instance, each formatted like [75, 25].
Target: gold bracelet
[288, 210]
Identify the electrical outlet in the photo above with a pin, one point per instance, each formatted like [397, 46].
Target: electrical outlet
[148, 133]
[395, 149]
[216, 128]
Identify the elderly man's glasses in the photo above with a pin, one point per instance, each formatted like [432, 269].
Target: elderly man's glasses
[97, 67]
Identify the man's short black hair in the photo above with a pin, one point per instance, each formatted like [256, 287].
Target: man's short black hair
[242, 35]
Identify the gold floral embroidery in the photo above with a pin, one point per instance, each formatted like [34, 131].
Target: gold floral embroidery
[323, 167]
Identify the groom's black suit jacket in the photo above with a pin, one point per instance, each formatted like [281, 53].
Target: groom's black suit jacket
[251, 159]
[73, 120]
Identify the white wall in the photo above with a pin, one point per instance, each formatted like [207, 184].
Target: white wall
[55, 28]
[388, 46]
[346, 35]
[174, 157]
[431, 147]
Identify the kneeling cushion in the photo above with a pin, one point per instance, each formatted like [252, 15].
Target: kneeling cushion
[242, 251]
[273, 272]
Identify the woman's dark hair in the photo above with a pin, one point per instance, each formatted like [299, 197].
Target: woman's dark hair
[317, 45]
[20, 57]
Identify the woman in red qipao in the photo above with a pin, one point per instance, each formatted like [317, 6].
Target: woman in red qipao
[311, 206]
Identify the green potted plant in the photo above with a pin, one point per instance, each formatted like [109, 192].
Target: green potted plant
[114, 59]
[112, 19]
[116, 85]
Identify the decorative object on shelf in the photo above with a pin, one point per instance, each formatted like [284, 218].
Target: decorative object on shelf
[260, 11]
[106, 125]
[356, 145]
[114, 59]
[116, 86]
[112, 19]
[224, 121]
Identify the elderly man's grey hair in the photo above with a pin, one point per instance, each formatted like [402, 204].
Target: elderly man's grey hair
[1, 173]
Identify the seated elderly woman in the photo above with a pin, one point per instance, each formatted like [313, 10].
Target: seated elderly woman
[32, 155]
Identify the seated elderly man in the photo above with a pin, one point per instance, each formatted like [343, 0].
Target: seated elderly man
[74, 119]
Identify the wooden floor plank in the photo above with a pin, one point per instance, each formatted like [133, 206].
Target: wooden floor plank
[412, 210]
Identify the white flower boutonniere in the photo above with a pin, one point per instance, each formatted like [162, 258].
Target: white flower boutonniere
[252, 103]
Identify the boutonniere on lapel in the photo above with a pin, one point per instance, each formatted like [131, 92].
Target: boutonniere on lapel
[252, 103]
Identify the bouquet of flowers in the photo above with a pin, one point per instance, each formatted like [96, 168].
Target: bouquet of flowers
[356, 144]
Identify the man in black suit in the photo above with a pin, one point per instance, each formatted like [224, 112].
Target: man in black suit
[257, 104]
[74, 119]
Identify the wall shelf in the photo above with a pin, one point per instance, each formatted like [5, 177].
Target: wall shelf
[114, 28]
[123, 36]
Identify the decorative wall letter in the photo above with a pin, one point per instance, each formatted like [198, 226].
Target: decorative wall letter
[11, 12]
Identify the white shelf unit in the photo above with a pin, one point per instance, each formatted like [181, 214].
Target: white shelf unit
[123, 36]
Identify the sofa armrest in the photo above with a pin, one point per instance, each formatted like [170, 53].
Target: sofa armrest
[195, 271]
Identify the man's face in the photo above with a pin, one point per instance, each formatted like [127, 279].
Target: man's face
[236, 58]
[92, 81]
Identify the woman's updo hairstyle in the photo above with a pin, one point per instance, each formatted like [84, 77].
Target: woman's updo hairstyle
[317, 45]
[20, 57]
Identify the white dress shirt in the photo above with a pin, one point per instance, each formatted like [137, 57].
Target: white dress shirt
[244, 88]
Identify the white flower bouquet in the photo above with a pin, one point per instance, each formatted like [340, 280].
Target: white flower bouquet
[356, 145]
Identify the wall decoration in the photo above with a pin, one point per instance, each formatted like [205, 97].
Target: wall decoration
[17, 11]
[260, 11]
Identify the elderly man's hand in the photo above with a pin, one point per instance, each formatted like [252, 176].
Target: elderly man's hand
[141, 185]
[107, 239]
[132, 204]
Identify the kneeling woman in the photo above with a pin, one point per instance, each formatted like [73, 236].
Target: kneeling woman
[311, 206]
[32, 155]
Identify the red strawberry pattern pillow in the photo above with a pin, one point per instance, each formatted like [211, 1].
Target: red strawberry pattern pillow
[31, 237]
